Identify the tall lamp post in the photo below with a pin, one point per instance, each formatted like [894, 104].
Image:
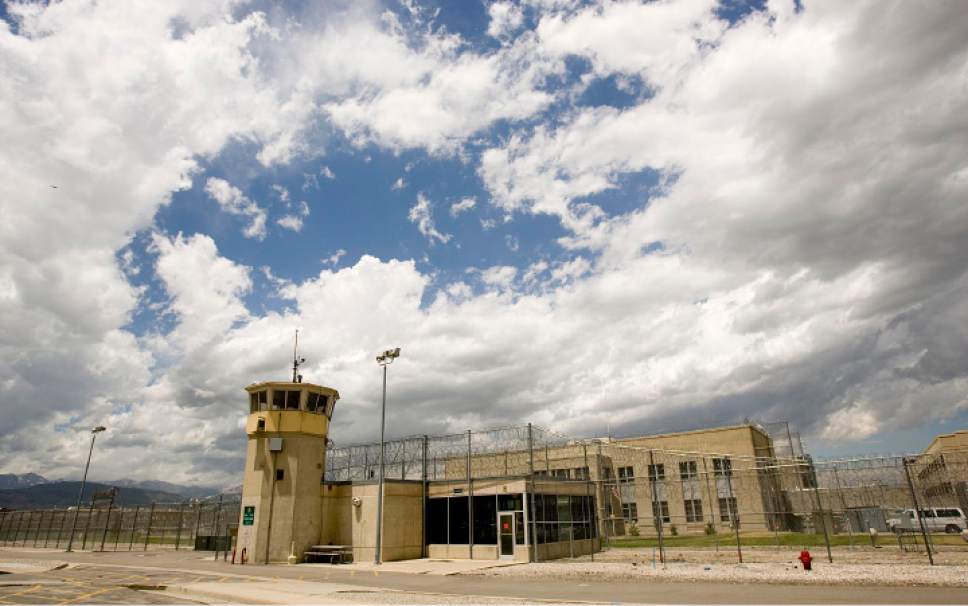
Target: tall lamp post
[80, 493]
[384, 359]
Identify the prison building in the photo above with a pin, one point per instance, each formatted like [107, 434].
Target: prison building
[474, 495]
[697, 481]
[941, 471]
[301, 499]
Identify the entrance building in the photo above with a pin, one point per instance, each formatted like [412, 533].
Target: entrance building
[439, 500]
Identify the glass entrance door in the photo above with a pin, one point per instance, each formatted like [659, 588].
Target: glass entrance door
[505, 524]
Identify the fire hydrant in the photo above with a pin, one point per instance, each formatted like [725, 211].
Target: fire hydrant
[805, 558]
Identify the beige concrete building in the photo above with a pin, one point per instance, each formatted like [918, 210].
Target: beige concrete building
[290, 510]
[942, 471]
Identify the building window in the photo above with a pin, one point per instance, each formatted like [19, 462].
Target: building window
[722, 467]
[292, 400]
[662, 506]
[626, 474]
[280, 475]
[693, 509]
[657, 471]
[726, 506]
[687, 470]
[278, 399]
[580, 473]
[561, 473]
[630, 512]
[315, 402]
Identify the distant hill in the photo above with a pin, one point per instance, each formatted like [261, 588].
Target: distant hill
[187, 491]
[13, 480]
[64, 494]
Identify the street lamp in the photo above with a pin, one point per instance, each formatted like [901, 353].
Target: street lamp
[384, 359]
[80, 493]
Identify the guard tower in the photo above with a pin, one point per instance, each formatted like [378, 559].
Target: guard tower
[284, 464]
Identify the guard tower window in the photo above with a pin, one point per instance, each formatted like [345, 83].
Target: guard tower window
[258, 400]
[292, 400]
[278, 399]
[280, 475]
[312, 400]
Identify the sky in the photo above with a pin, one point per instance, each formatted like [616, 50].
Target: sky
[594, 216]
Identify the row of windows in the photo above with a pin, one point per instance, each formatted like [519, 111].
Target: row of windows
[563, 518]
[289, 400]
[557, 518]
[688, 470]
[576, 473]
[693, 509]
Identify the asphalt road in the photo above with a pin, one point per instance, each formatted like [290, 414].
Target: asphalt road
[119, 577]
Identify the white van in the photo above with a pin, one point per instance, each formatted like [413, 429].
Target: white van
[936, 519]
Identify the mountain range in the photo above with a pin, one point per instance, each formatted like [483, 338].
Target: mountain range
[33, 491]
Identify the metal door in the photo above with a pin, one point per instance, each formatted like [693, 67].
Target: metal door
[505, 524]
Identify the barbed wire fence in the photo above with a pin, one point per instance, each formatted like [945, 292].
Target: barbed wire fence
[779, 497]
[103, 526]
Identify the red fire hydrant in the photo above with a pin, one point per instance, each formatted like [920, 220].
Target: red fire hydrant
[805, 558]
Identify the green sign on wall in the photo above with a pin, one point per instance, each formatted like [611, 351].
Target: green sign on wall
[248, 515]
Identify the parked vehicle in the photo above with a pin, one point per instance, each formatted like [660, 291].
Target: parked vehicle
[936, 519]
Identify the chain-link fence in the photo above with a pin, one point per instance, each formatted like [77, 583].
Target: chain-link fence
[102, 526]
[774, 496]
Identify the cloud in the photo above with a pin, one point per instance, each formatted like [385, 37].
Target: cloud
[233, 201]
[799, 253]
[420, 214]
[334, 258]
[291, 222]
[398, 184]
[464, 205]
[505, 18]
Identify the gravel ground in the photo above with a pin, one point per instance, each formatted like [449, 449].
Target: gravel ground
[765, 572]
[399, 597]
[858, 555]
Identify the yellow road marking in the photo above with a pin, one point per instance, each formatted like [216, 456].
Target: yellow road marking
[81, 598]
[25, 591]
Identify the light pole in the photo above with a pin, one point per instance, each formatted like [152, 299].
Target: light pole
[384, 359]
[80, 493]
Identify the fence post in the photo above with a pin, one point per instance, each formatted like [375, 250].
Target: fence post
[40, 524]
[713, 496]
[733, 517]
[30, 519]
[843, 505]
[606, 497]
[117, 531]
[4, 517]
[87, 524]
[823, 523]
[151, 517]
[198, 522]
[423, 490]
[470, 501]
[20, 521]
[107, 522]
[656, 506]
[134, 526]
[218, 519]
[917, 510]
[181, 515]
[60, 531]
[592, 528]
[532, 510]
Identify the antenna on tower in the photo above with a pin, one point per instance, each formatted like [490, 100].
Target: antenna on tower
[296, 360]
